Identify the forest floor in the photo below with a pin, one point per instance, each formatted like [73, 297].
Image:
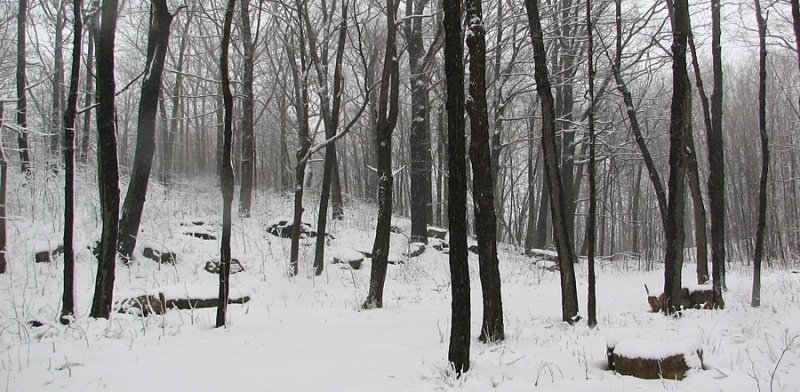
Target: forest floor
[308, 333]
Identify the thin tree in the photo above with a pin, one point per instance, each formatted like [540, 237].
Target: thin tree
[91, 26]
[796, 25]
[388, 110]
[3, 187]
[482, 184]
[157, 47]
[57, 97]
[248, 99]
[67, 299]
[226, 170]
[755, 300]
[22, 99]
[680, 117]
[168, 135]
[108, 172]
[458, 351]
[590, 220]
[716, 161]
[561, 235]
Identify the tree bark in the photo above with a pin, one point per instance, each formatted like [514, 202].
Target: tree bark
[226, 170]
[67, 297]
[57, 98]
[458, 351]
[3, 187]
[248, 136]
[108, 173]
[755, 300]
[716, 162]
[492, 329]
[680, 119]
[132, 208]
[90, 82]
[561, 235]
[590, 221]
[22, 99]
[387, 120]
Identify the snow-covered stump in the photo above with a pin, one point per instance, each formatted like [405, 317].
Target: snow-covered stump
[437, 232]
[668, 359]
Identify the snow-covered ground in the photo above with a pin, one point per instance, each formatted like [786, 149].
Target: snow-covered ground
[308, 333]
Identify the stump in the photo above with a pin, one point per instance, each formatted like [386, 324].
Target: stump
[162, 255]
[655, 359]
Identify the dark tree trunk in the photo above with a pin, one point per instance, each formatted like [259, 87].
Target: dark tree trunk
[226, 170]
[655, 179]
[301, 110]
[716, 162]
[420, 137]
[90, 82]
[482, 185]
[561, 234]
[796, 24]
[590, 220]
[543, 215]
[387, 120]
[762, 130]
[331, 127]
[3, 187]
[530, 235]
[22, 99]
[248, 136]
[680, 119]
[108, 172]
[157, 47]
[458, 352]
[67, 298]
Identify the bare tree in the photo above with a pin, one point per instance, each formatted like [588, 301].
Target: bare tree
[248, 136]
[22, 99]
[755, 300]
[492, 329]
[458, 351]
[561, 233]
[157, 46]
[680, 118]
[590, 223]
[226, 170]
[388, 108]
[3, 187]
[108, 173]
[67, 299]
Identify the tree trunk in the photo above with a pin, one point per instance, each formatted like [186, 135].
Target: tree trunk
[420, 137]
[3, 187]
[762, 128]
[716, 162]
[90, 82]
[680, 119]
[543, 215]
[387, 120]
[482, 185]
[330, 173]
[561, 235]
[169, 133]
[458, 351]
[22, 100]
[530, 235]
[108, 173]
[248, 136]
[226, 171]
[157, 47]
[67, 298]
[301, 109]
[590, 221]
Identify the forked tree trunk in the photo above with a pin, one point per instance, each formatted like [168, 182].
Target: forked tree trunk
[132, 208]
[762, 130]
[492, 329]
[458, 351]
[226, 171]
[108, 173]
[67, 298]
[561, 234]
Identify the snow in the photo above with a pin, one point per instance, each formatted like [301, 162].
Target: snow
[309, 333]
[654, 348]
